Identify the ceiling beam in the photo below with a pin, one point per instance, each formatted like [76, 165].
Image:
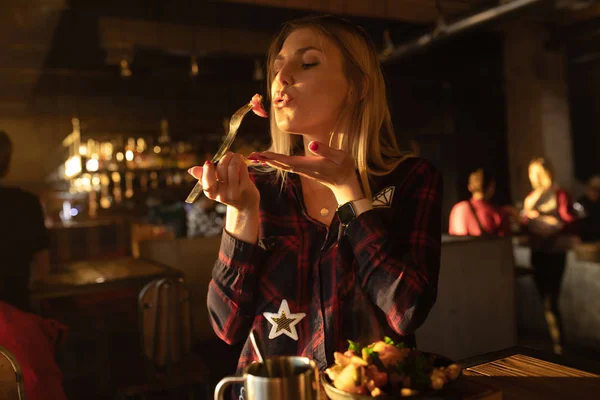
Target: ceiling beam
[120, 36]
[414, 11]
[578, 16]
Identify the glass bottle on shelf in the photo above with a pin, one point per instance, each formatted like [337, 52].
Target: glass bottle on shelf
[130, 148]
[154, 180]
[105, 201]
[129, 184]
[157, 161]
[144, 181]
[119, 152]
[164, 142]
[117, 191]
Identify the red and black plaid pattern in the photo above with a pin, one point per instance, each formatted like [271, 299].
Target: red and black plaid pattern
[378, 278]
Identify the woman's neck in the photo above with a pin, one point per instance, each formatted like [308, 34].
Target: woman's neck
[542, 188]
[477, 196]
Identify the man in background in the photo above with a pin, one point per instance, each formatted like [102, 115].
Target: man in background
[477, 216]
[203, 219]
[24, 255]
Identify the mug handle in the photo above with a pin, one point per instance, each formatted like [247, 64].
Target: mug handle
[224, 383]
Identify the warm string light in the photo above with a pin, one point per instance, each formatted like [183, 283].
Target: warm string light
[125, 68]
[194, 70]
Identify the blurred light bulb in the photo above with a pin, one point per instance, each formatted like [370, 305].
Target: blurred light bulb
[105, 202]
[120, 156]
[129, 155]
[194, 70]
[92, 165]
[125, 69]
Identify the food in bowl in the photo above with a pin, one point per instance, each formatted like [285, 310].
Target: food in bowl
[385, 368]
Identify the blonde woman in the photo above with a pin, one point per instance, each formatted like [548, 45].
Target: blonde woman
[548, 214]
[337, 235]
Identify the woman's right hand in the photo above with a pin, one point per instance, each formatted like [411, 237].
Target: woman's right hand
[532, 214]
[229, 183]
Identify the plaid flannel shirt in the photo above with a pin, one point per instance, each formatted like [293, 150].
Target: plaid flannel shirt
[305, 288]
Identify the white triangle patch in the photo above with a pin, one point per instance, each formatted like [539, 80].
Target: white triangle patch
[384, 198]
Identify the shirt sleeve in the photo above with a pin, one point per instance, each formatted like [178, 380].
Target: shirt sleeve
[457, 223]
[231, 292]
[565, 208]
[398, 266]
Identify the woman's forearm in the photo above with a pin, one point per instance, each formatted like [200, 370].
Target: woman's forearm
[243, 224]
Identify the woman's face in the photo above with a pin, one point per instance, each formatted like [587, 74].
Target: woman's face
[538, 177]
[309, 89]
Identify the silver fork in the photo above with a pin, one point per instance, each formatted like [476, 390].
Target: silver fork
[234, 125]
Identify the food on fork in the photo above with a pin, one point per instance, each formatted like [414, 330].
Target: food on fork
[257, 106]
[386, 368]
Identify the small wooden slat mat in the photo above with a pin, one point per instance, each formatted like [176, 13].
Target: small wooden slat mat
[521, 365]
[523, 377]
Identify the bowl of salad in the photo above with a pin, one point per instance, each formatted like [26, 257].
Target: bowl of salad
[386, 370]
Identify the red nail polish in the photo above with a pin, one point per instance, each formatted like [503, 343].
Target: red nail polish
[207, 162]
[313, 146]
[189, 171]
[253, 158]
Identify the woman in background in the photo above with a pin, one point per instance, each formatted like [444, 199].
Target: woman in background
[478, 216]
[548, 214]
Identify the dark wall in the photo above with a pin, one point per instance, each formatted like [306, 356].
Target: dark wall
[451, 101]
[584, 91]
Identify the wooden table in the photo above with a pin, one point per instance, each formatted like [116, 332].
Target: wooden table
[523, 373]
[85, 277]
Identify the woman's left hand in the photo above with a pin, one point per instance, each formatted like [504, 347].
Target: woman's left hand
[331, 167]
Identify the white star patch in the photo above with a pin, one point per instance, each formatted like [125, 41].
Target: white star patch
[284, 322]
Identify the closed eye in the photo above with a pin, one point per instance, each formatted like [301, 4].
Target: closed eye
[308, 66]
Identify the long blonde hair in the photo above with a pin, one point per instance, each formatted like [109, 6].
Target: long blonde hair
[367, 134]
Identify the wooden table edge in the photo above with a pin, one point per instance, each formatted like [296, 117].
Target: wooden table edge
[58, 290]
[567, 361]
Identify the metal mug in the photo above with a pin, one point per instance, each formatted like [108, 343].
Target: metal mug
[279, 378]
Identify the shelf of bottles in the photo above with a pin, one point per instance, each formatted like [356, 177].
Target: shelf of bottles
[113, 170]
